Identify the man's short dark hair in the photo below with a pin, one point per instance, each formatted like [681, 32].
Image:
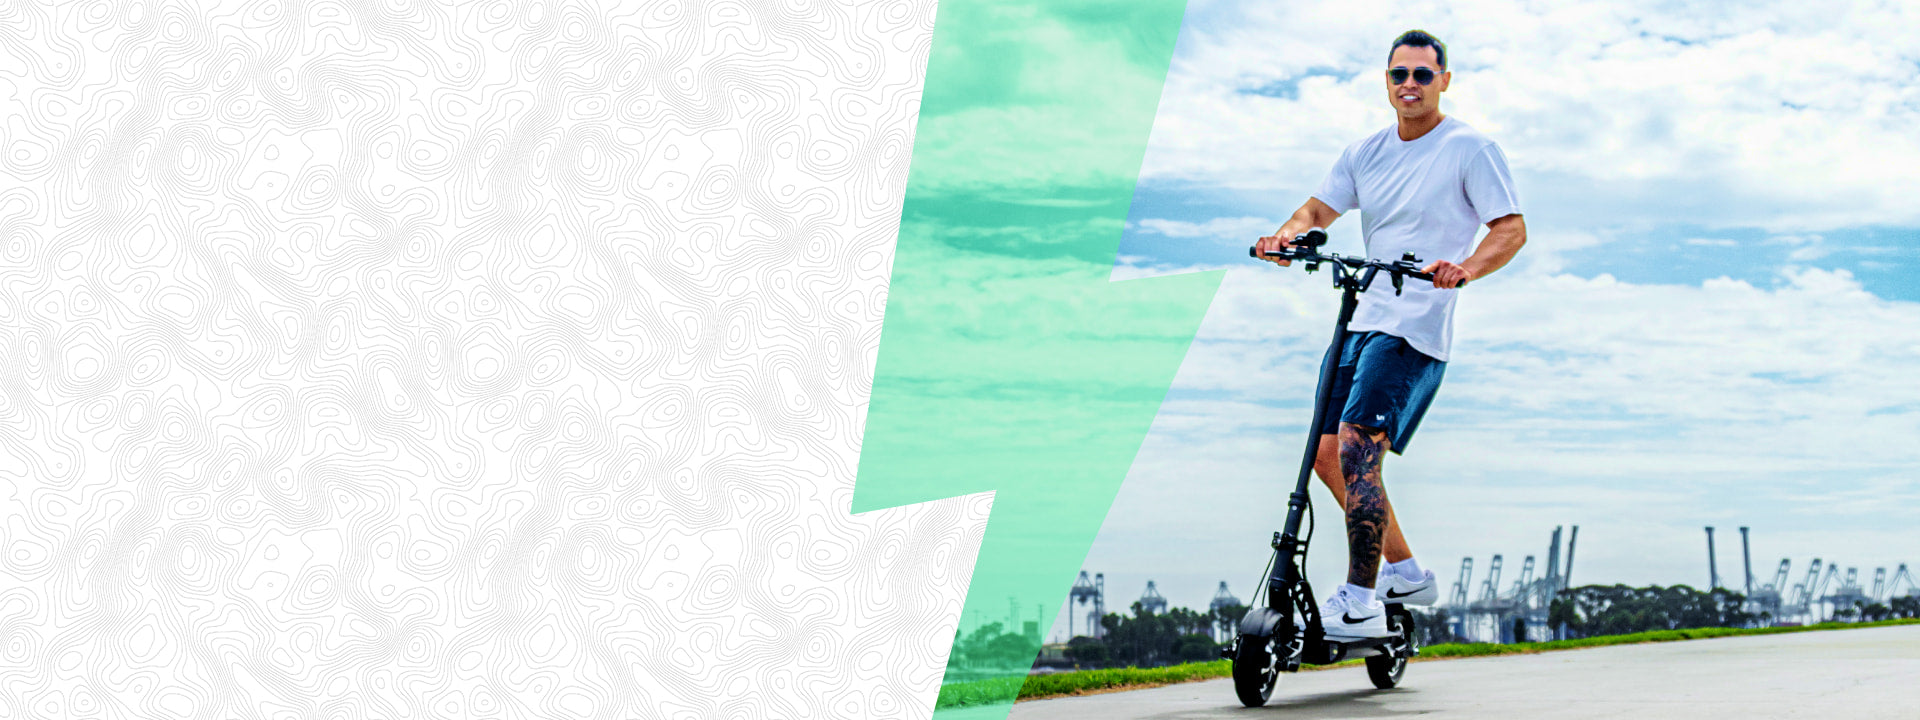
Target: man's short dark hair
[1420, 38]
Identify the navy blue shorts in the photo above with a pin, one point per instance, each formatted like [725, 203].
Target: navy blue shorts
[1382, 382]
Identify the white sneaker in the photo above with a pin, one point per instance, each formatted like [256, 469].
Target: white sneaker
[1391, 587]
[1345, 619]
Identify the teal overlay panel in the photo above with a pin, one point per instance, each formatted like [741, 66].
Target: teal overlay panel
[1008, 361]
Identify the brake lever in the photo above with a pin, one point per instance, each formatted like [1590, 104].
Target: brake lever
[1410, 265]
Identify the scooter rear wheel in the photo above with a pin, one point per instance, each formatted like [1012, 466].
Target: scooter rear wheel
[1386, 670]
[1255, 670]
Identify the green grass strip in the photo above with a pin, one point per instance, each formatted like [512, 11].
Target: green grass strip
[1080, 682]
[1072, 682]
[1451, 650]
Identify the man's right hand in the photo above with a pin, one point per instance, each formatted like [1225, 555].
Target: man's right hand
[1279, 240]
[1312, 214]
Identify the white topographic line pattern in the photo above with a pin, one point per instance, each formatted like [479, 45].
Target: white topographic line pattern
[383, 360]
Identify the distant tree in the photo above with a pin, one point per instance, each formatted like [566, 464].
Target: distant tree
[1905, 606]
[1188, 622]
[1619, 609]
[1433, 628]
[976, 646]
[989, 645]
[1127, 637]
[1562, 612]
[1151, 639]
[1087, 651]
[1874, 612]
[1195, 647]
[1847, 613]
[1011, 649]
[1226, 620]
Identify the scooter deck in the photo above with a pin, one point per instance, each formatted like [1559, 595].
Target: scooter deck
[1341, 650]
[1330, 650]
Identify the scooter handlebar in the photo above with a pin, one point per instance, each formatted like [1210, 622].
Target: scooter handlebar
[1311, 254]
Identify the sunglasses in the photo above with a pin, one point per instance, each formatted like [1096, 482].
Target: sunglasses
[1421, 75]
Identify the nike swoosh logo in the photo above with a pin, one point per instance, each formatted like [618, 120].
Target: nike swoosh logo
[1391, 594]
[1349, 619]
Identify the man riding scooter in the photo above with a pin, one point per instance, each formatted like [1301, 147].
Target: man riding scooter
[1424, 186]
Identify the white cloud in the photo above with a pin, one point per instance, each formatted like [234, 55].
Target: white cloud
[1816, 347]
[1240, 227]
[1779, 115]
[1815, 350]
[1806, 248]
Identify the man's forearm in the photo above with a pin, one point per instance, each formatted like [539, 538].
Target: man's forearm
[1312, 214]
[1503, 241]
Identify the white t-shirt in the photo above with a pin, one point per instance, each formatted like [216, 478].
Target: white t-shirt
[1428, 196]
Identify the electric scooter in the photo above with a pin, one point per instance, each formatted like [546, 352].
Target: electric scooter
[1285, 631]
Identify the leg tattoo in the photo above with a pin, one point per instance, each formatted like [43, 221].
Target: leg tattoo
[1361, 449]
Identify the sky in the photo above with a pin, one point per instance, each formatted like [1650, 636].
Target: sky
[1715, 320]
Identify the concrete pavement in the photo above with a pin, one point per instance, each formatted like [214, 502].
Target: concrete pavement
[1867, 673]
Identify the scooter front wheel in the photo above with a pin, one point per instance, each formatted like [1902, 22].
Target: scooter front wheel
[1256, 669]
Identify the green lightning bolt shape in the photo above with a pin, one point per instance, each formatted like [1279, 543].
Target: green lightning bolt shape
[1009, 362]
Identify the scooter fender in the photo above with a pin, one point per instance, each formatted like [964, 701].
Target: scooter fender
[1260, 622]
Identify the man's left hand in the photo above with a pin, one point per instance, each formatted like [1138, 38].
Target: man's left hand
[1446, 274]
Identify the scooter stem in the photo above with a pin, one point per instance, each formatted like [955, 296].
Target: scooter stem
[1287, 569]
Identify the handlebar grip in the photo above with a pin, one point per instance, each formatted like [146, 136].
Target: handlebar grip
[1429, 278]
